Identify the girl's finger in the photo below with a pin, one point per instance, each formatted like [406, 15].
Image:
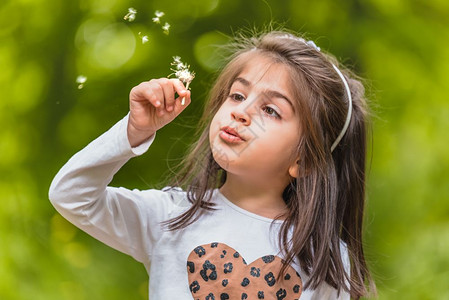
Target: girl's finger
[154, 93]
[169, 93]
[178, 105]
[179, 88]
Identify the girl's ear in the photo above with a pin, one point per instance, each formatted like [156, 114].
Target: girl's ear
[293, 170]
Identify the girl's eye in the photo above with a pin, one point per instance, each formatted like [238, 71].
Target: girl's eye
[237, 97]
[271, 112]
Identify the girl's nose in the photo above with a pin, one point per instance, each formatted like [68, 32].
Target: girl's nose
[240, 115]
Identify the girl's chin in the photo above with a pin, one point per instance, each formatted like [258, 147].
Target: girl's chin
[222, 159]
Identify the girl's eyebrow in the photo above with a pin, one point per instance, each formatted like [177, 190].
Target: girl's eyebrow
[269, 93]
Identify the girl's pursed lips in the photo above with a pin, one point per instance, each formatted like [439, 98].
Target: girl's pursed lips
[230, 134]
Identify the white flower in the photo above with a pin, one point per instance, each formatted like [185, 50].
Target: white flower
[131, 15]
[184, 75]
[166, 28]
[182, 72]
[144, 38]
[157, 19]
[81, 79]
[159, 15]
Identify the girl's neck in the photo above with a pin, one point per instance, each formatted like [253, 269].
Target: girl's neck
[262, 199]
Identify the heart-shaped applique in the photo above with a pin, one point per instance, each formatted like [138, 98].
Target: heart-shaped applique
[217, 271]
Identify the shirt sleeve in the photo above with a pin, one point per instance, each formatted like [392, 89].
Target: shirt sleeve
[127, 220]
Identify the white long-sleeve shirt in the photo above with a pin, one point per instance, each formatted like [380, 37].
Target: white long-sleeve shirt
[229, 253]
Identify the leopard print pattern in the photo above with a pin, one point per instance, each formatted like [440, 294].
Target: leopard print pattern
[216, 272]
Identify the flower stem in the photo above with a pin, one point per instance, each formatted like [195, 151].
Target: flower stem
[183, 101]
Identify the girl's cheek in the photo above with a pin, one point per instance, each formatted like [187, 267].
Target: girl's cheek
[221, 113]
[215, 123]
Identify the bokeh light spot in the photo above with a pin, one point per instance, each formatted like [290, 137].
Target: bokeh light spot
[28, 87]
[88, 31]
[12, 152]
[206, 50]
[114, 46]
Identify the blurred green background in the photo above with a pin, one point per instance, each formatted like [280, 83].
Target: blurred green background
[400, 46]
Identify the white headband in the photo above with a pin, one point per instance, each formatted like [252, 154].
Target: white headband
[345, 83]
[348, 116]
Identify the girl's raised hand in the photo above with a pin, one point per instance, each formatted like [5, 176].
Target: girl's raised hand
[152, 105]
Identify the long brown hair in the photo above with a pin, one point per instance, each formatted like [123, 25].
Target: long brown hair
[326, 200]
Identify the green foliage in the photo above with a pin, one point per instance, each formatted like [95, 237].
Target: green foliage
[401, 47]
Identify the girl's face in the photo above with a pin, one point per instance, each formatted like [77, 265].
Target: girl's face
[256, 130]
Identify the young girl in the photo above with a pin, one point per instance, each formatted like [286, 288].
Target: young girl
[274, 187]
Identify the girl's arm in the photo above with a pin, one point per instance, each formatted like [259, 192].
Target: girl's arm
[121, 218]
